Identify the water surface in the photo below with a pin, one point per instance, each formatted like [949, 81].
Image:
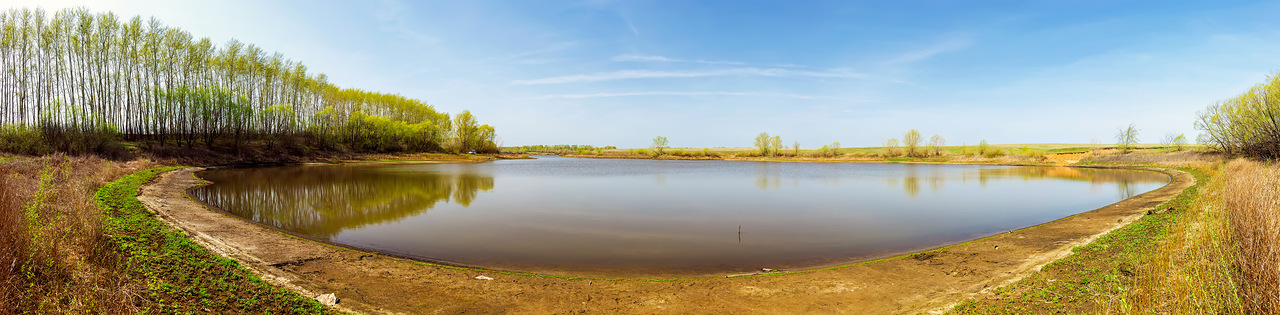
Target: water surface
[616, 217]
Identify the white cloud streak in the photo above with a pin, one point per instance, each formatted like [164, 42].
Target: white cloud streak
[391, 19]
[630, 25]
[928, 52]
[678, 93]
[652, 58]
[651, 74]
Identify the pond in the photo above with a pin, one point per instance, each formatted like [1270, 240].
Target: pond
[622, 217]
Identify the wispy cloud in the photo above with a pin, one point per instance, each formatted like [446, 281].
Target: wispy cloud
[680, 93]
[629, 24]
[391, 19]
[533, 57]
[653, 58]
[651, 74]
[938, 48]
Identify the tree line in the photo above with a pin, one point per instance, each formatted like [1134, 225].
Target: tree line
[772, 146]
[556, 149]
[78, 81]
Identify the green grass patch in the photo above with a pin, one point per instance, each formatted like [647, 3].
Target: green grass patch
[1096, 277]
[181, 276]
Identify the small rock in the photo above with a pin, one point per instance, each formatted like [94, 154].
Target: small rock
[483, 278]
[327, 299]
[766, 269]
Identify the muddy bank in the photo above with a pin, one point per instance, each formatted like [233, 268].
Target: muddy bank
[373, 283]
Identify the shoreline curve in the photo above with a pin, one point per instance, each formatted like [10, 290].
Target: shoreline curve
[371, 282]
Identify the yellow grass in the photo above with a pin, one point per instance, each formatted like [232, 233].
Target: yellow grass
[1251, 196]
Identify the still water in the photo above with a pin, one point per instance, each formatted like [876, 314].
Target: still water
[614, 217]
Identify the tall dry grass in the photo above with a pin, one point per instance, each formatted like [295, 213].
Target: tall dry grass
[55, 257]
[11, 245]
[1187, 158]
[1190, 270]
[1252, 198]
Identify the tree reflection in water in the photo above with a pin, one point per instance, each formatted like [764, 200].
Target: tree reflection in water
[1124, 179]
[321, 201]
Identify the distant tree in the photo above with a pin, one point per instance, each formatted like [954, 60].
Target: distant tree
[775, 145]
[835, 149]
[1167, 140]
[911, 140]
[983, 147]
[891, 147]
[762, 142]
[795, 148]
[936, 143]
[1174, 141]
[466, 132]
[1126, 138]
[659, 145]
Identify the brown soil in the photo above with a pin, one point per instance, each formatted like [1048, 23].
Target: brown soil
[929, 282]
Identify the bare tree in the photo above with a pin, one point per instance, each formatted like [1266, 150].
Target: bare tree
[936, 143]
[1126, 138]
[1167, 140]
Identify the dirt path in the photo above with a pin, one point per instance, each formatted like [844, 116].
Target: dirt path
[372, 283]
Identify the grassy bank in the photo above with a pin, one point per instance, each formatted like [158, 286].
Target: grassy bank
[75, 241]
[1211, 250]
[1095, 278]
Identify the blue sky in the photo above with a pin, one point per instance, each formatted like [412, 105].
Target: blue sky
[716, 73]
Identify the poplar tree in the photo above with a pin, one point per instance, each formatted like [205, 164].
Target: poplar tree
[86, 80]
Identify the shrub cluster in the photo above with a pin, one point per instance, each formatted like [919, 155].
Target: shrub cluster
[1248, 124]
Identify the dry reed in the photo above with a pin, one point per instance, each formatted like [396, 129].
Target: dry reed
[1187, 158]
[11, 245]
[1190, 270]
[55, 258]
[1252, 198]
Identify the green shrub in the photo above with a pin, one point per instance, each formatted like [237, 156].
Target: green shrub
[1031, 153]
[993, 152]
[23, 140]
